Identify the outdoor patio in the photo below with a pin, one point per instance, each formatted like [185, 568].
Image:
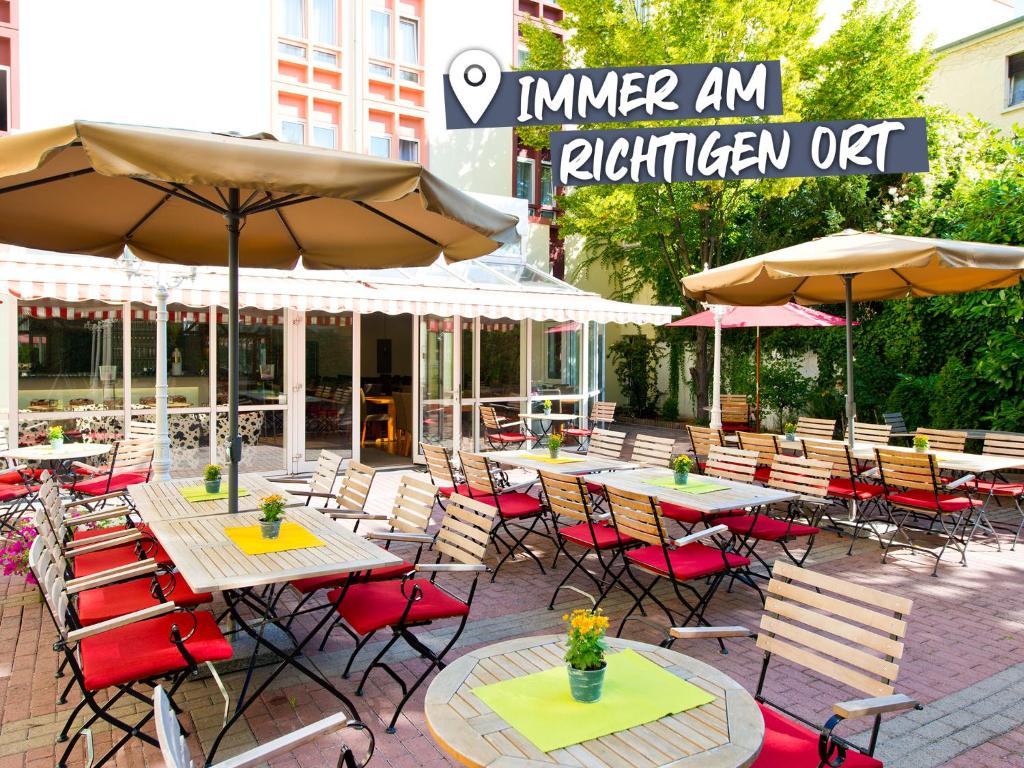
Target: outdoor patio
[967, 674]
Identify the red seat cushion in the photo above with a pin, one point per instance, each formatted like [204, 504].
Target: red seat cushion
[789, 744]
[605, 536]
[762, 474]
[736, 427]
[334, 580]
[595, 488]
[375, 605]
[102, 560]
[843, 487]
[514, 504]
[100, 485]
[508, 437]
[766, 528]
[96, 605]
[144, 650]
[11, 492]
[447, 490]
[694, 561]
[578, 432]
[921, 499]
[1000, 489]
[13, 477]
[691, 516]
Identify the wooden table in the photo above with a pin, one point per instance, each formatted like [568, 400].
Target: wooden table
[548, 421]
[67, 452]
[163, 500]
[956, 461]
[736, 495]
[727, 733]
[389, 403]
[585, 466]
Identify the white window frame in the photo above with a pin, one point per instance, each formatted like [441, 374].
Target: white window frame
[1008, 102]
[390, 56]
[411, 141]
[305, 24]
[387, 136]
[532, 199]
[399, 57]
[329, 126]
[284, 120]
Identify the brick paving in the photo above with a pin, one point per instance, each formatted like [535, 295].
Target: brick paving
[964, 661]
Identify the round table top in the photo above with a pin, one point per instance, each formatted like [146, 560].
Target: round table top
[67, 451]
[550, 416]
[727, 733]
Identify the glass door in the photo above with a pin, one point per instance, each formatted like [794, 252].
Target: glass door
[328, 384]
[440, 407]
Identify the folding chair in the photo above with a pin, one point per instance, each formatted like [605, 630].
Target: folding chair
[410, 602]
[725, 463]
[806, 477]
[514, 507]
[502, 433]
[767, 447]
[815, 429]
[121, 654]
[568, 497]
[176, 754]
[320, 484]
[735, 413]
[682, 562]
[652, 451]
[943, 439]
[131, 463]
[915, 490]
[997, 487]
[702, 439]
[899, 426]
[443, 473]
[848, 633]
[607, 444]
[848, 486]
[354, 489]
[603, 414]
[877, 434]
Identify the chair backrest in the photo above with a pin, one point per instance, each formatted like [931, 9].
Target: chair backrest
[735, 409]
[477, 471]
[567, 496]
[141, 429]
[731, 464]
[836, 454]
[896, 421]
[5, 443]
[807, 477]
[764, 443]
[943, 439]
[606, 443]
[439, 465]
[414, 504]
[49, 573]
[872, 433]
[603, 412]
[636, 514]
[997, 444]
[328, 464]
[489, 416]
[355, 486]
[465, 529]
[824, 429]
[651, 451]
[173, 746]
[702, 439]
[907, 470]
[133, 455]
[805, 610]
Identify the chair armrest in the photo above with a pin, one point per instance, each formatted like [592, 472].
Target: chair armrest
[122, 621]
[452, 568]
[873, 472]
[352, 514]
[960, 481]
[287, 743]
[113, 576]
[289, 480]
[876, 705]
[714, 633]
[94, 499]
[99, 515]
[100, 537]
[706, 533]
[99, 546]
[415, 538]
[89, 468]
[312, 494]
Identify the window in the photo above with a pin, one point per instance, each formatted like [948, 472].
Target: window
[293, 131]
[409, 149]
[325, 136]
[380, 34]
[522, 57]
[295, 51]
[546, 197]
[1015, 71]
[409, 41]
[293, 14]
[380, 146]
[325, 22]
[524, 179]
[325, 57]
[408, 76]
[380, 70]
[5, 99]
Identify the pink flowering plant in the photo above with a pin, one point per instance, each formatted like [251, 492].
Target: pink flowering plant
[14, 554]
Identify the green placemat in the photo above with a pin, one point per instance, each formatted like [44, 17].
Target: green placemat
[194, 493]
[694, 486]
[636, 691]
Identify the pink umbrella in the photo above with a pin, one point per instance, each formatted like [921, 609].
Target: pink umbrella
[781, 316]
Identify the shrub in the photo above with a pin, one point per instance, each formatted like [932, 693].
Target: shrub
[635, 358]
[912, 396]
[955, 402]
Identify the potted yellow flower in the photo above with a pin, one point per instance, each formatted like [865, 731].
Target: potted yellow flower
[211, 478]
[681, 466]
[554, 445]
[547, 407]
[921, 443]
[584, 654]
[790, 431]
[272, 508]
[56, 436]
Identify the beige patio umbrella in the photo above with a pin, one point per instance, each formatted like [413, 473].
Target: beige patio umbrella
[195, 198]
[859, 266]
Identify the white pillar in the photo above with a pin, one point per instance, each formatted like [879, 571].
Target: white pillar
[162, 454]
[716, 377]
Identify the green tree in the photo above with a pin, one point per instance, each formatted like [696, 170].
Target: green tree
[650, 236]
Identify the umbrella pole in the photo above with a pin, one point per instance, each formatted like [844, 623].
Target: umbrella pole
[851, 400]
[757, 381]
[234, 221]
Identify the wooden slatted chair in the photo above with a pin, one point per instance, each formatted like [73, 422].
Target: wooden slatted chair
[845, 632]
[120, 655]
[320, 484]
[682, 562]
[411, 602]
[131, 464]
[652, 451]
[503, 433]
[18, 488]
[767, 447]
[725, 463]
[806, 477]
[568, 497]
[702, 439]
[815, 429]
[997, 487]
[516, 509]
[878, 434]
[914, 490]
[898, 424]
[176, 754]
[606, 444]
[943, 439]
[443, 474]
[141, 430]
[735, 413]
[353, 490]
[848, 486]
[603, 414]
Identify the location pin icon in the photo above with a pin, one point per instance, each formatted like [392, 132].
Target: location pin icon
[475, 76]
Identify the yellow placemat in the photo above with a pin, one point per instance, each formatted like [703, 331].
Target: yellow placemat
[636, 691]
[249, 539]
[549, 460]
[693, 486]
[194, 493]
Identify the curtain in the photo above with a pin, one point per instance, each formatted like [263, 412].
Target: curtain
[325, 22]
[380, 34]
[291, 18]
[409, 35]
